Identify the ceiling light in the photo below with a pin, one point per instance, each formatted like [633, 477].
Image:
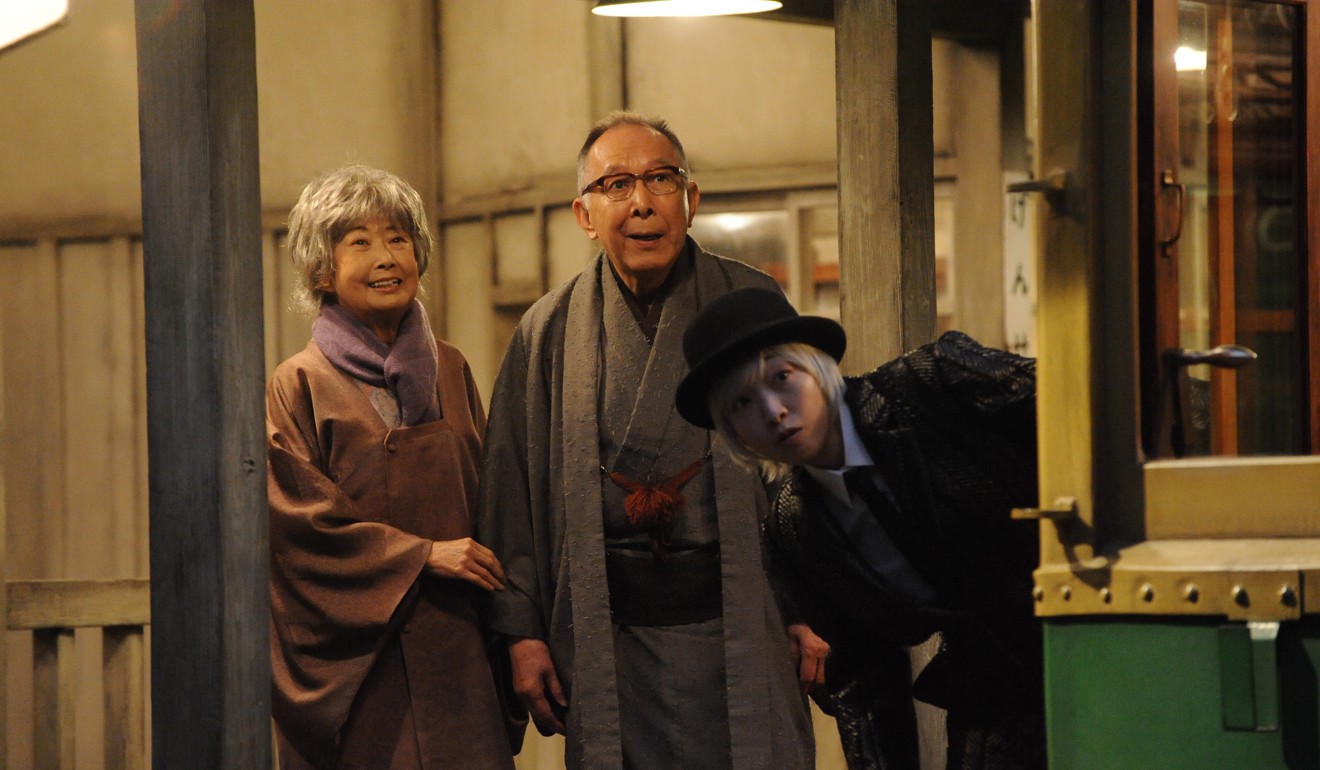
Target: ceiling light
[21, 19]
[682, 7]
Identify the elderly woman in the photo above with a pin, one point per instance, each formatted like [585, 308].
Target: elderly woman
[374, 437]
[889, 521]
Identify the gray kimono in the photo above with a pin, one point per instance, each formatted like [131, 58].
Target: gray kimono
[581, 391]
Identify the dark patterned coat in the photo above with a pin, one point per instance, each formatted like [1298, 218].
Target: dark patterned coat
[951, 427]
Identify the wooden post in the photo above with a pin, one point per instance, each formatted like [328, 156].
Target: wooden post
[887, 209]
[886, 184]
[4, 594]
[210, 684]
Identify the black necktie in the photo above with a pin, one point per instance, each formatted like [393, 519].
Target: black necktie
[897, 524]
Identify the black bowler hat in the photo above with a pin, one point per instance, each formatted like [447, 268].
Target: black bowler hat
[735, 327]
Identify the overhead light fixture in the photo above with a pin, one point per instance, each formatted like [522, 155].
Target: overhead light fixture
[21, 19]
[682, 7]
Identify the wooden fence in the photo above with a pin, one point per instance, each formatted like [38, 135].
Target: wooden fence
[52, 610]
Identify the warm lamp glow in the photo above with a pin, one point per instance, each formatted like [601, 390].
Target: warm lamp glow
[1187, 59]
[21, 18]
[682, 7]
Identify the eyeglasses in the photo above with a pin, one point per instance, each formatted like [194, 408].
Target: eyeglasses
[661, 180]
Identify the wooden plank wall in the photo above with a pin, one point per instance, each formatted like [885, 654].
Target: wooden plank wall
[73, 438]
[73, 444]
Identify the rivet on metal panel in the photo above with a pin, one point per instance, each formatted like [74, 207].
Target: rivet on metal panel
[1106, 595]
[1240, 596]
[1147, 592]
[1038, 593]
[1288, 596]
[1191, 593]
[1065, 592]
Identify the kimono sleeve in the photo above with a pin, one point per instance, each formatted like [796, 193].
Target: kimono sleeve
[336, 578]
[510, 519]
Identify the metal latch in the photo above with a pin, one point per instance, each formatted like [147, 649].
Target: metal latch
[1064, 508]
[1053, 185]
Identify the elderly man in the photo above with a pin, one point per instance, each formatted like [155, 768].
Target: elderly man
[640, 619]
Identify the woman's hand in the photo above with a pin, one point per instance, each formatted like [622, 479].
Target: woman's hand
[809, 652]
[468, 560]
[535, 681]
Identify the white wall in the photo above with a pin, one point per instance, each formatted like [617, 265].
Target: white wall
[344, 81]
[352, 84]
[68, 118]
[514, 96]
[742, 92]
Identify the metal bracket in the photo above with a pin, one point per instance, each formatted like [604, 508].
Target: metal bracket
[1064, 508]
[1053, 185]
[1249, 676]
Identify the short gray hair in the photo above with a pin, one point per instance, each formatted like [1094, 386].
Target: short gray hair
[626, 118]
[820, 365]
[337, 202]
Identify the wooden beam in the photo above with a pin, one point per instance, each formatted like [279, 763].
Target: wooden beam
[210, 689]
[886, 193]
[37, 604]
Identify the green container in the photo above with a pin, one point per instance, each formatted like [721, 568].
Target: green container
[1130, 693]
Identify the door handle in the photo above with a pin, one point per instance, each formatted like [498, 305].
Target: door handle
[1177, 386]
[1220, 357]
[1167, 180]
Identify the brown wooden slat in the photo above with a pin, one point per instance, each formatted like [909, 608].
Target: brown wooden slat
[53, 699]
[125, 698]
[42, 604]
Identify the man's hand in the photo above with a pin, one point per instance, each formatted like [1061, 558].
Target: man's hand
[468, 560]
[809, 652]
[534, 679]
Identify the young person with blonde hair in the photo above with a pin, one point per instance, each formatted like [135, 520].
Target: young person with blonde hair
[889, 520]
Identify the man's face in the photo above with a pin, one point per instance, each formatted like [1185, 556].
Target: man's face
[644, 233]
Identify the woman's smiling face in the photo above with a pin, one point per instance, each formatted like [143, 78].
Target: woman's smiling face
[375, 275]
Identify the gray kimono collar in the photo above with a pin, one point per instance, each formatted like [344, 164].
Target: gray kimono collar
[594, 687]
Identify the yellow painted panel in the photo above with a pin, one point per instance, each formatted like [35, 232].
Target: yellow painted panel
[1238, 497]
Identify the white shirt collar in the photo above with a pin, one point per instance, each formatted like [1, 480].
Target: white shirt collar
[854, 456]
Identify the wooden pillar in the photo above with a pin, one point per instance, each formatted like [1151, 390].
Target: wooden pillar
[886, 185]
[4, 588]
[210, 684]
[887, 209]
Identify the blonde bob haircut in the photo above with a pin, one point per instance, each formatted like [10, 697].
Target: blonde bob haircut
[337, 202]
[820, 365]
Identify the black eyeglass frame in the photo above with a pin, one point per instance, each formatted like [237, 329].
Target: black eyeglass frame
[599, 184]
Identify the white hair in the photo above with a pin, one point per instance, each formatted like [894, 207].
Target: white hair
[335, 203]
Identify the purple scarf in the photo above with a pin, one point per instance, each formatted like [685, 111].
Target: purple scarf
[407, 368]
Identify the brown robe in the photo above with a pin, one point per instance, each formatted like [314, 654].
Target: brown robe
[374, 662]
